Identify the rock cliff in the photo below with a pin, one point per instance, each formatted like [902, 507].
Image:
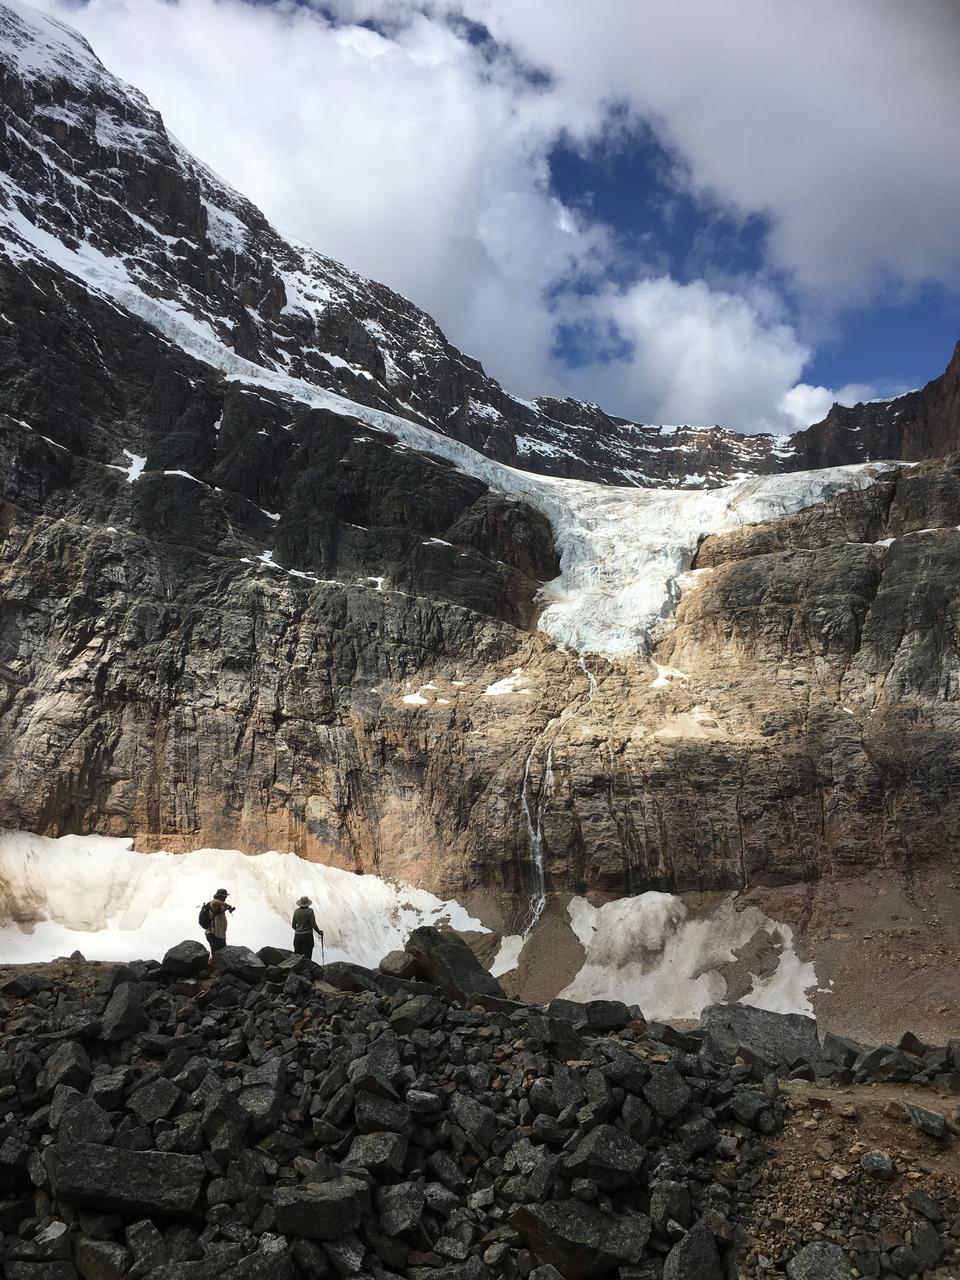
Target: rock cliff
[264, 584]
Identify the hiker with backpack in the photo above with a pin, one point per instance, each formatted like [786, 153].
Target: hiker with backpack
[304, 924]
[213, 920]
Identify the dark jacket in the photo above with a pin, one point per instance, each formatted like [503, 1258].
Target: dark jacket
[304, 921]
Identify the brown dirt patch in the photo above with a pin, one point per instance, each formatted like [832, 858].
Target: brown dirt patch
[814, 1189]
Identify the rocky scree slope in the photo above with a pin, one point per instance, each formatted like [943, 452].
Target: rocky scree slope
[86, 159]
[257, 1121]
[233, 616]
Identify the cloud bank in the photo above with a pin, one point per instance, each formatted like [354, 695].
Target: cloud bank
[412, 139]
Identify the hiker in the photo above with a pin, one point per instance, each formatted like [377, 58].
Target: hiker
[213, 918]
[304, 927]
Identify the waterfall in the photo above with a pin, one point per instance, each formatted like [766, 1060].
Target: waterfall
[534, 820]
[591, 678]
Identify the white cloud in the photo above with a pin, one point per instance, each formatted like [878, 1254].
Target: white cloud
[419, 156]
[837, 121]
[698, 354]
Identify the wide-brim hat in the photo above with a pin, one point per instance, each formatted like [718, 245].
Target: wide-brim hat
[303, 902]
[221, 893]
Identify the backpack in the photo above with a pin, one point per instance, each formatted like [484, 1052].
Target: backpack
[203, 919]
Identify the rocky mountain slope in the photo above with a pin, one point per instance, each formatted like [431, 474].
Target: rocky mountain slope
[267, 584]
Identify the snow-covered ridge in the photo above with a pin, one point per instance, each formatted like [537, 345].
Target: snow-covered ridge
[621, 550]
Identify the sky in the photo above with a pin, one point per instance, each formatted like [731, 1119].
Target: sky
[685, 212]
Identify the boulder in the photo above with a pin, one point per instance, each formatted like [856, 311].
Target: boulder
[124, 1015]
[783, 1037]
[241, 962]
[420, 1011]
[382, 1154]
[400, 1207]
[186, 959]
[579, 1240]
[929, 1122]
[606, 1015]
[605, 1155]
[878, 1165]
[321, 1210]
[820, 1261]
[68, 1064]
[666, 1091]
[694, 1257]
[399, 964]
[446, 961]
[100, 1259]
[89, 1176]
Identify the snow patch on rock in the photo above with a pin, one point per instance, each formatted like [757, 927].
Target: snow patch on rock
[651, 950]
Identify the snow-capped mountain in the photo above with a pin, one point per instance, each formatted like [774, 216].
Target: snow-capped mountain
[86, 160]
[283, 569]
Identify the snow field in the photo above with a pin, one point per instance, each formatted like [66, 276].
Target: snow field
[96, 895]
[650, 950]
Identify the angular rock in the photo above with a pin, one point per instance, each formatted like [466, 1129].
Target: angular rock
[400, 1207]
[69, 1064]
[666, 1091]
[878, 1165]
[694, 1257]
[100, 1259]
[607, 1156]
[129, 1182]
[786, 1037]
[124, 1015]
[186, 959]
[579, 1240]
[670, 1200]
[420, 1011]
[606, 1015]
[929, 1122]
[240, 961]
[374, 1114]
[383, 1154]
[820, 1261]
[85, 1121]
[321, 1210]
[399, 964]
[445, 960]
[477, 1121]
[157, 1100]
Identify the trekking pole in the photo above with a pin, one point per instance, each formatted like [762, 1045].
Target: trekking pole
[322, 961]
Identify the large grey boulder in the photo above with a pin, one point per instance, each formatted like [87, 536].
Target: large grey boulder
[446, 961]
[782, 1037]
[241, 962]
[321, 1210]
[607, 1155]
[579, 1240]
[694, 1257]
[89, 1176]
[124, 1015]
[186, 959]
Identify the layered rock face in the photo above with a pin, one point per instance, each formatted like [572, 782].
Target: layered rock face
[240, 610]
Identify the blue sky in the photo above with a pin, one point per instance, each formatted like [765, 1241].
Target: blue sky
[894, 341]
[624, 201]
